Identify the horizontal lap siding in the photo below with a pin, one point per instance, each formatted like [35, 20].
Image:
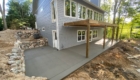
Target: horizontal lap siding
[43, 19]
[68, 35]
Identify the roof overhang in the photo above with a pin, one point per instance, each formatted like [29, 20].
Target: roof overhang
[34, 6]
[92, 23]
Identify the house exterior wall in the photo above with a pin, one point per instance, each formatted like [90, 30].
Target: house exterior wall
[43, 19]
[68, 35]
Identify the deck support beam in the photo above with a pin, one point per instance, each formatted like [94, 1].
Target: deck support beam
[87, 44]
[117, 33]
[113, 31]
[104, 37]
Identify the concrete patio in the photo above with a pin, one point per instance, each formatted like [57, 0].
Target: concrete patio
[48, 62]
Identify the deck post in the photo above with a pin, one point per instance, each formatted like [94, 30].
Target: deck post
[113, 31]
[104, 37]
[117, 33]
[87, 44]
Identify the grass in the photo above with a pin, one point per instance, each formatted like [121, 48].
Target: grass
[125, 34]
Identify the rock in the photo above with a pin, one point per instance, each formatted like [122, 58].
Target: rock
[15, 50]
[13, 65]
[138, 45]
[33, 77]
[137, 48]
[14, 54]
[134, 66]
[11, 62]
[9, 54]
[14, 70]
[128, 54]
[138, 70]
[15, 57]
[18, 62]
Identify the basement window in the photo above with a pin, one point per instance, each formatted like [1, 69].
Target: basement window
[95, 34]
[81, 35]
[53, 11]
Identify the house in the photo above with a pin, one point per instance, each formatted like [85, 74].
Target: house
[52, 15]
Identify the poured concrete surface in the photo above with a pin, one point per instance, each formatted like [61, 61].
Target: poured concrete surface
[48, 62]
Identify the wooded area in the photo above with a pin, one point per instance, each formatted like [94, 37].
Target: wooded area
[119, 12]
[18, 16]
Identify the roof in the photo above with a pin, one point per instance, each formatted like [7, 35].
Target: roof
[92, 23]
[34, 6]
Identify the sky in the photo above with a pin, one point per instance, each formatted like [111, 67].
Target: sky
[6, 7]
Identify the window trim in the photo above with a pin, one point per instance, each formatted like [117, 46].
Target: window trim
[53, 20]
[70, 9]
[77, 14]
[81, 35]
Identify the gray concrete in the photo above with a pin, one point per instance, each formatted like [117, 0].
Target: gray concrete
[53, 64]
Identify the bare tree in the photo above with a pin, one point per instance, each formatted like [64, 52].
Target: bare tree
[3, 15]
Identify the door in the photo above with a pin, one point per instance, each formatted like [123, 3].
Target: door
[55, 39]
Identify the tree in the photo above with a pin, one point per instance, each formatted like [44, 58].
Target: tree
[1, 24]
[3, 14]
[116, 7]
[106, 6]
[19, 15]
[128, 11]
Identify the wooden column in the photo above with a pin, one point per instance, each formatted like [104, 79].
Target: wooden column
[117, 33]
[104, 37]
[87, 44]
[113, 31]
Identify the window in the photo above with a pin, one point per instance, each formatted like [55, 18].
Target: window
[90, 38]
[53, 6]
[89, 14]
[70, 8]
[95, 15]
[80, 8]
[73, 11]
[99, 17]
[102, 17]
[84, 12]
[95, 34]
[81, 35]
[67, 7]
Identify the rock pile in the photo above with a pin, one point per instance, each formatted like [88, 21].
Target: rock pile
[33, 44]
[16, 59]
[25, 40]
[26, 34]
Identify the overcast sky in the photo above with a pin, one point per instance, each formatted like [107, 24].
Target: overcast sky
[6, 7]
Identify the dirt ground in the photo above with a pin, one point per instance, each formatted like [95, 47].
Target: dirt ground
[118, 63]
[7, 39]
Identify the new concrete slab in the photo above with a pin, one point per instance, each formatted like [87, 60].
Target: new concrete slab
[53, 64]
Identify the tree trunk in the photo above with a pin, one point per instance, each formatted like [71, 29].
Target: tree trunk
[4, 19]
[3, 15]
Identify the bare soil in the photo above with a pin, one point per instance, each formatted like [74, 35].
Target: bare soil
[113, 64]
[7, 39]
